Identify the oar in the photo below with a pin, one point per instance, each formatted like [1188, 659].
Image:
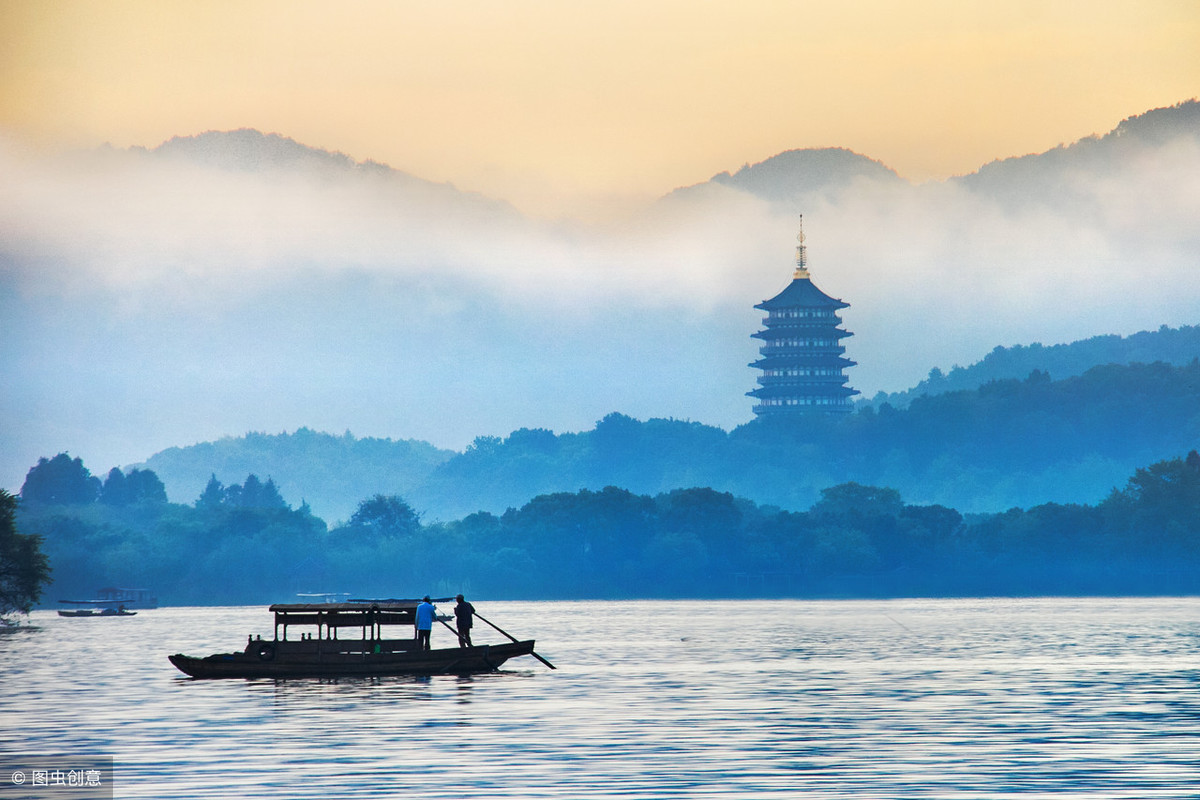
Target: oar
[513, 638]
[447, 624]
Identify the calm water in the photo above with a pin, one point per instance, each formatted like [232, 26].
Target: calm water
[1095, 698]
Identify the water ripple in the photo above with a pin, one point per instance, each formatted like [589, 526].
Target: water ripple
[945, 699]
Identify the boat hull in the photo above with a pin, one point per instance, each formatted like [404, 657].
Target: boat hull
[266, 662]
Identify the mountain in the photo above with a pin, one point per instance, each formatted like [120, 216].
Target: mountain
[330, 473]
[1060, 174]
[250, 151]
[786, 177]
[1176, 346]
[1007, 443]
[237, 280]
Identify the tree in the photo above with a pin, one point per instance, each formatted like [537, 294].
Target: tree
[60, 481]
[23, 567]
[856, 499]
[144, 486]
[253, 493]
[213, 494]
[139, 486]
[115, 492]
[385, 515]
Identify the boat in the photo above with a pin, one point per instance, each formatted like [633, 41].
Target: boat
[119, 611]
[112, 597]
[324, 650]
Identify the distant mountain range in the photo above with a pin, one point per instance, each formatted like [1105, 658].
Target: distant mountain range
[1177, 346]
[332, 473]
[783, 178]
[240, 280]
[788, 177]
[250, 151]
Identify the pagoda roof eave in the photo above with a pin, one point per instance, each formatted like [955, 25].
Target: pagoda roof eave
[797, 391]
[822, 360]
[801, 293]
[796, 333]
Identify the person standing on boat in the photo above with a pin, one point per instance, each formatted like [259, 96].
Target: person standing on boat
[426, 612]
[464, 613]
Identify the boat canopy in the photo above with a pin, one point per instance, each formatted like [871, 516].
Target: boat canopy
[370, 615]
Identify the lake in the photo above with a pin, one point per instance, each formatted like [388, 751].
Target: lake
[977, 698]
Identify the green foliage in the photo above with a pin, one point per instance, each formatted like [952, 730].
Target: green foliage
[331, 473]
[1008, 443]
[139, 486]
[1176, 346]
[253, 493]
[23, 567]
[855, 500]
[857, 540]
[61, 480]
[188, 555]
[213, 495]
[385, 516]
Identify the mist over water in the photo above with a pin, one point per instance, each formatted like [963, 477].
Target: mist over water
[969, 698]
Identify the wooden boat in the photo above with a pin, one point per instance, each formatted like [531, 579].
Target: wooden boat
[120, 611]
[112, 597]
[326, 651]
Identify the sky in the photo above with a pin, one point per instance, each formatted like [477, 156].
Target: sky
[148, 302]
[577, 108]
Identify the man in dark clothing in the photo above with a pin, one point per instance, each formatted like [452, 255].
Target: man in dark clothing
[463, 614]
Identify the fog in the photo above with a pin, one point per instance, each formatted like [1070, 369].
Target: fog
[152, 299]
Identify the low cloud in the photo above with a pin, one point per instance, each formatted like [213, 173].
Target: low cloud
[153, 301]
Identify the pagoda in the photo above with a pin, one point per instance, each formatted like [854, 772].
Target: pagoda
[802, 355]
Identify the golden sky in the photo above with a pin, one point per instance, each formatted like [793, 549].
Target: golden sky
[557, 103]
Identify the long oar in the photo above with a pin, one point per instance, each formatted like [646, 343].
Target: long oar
[447, 624]
[513, 638]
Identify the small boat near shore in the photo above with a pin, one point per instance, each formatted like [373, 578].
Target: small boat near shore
[325, 650]
[119, 611]
[111, 601]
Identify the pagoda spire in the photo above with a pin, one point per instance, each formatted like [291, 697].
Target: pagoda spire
[801, 253]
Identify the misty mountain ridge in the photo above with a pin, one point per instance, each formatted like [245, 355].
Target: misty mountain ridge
[250, 150]
[789, 176]
[1175, 346]
[785, 177]
[338, 470]
[332, 473]
[247, 150]
[1049, 175]
[235, 281]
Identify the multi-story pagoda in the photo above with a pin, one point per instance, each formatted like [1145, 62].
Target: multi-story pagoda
[802, 359]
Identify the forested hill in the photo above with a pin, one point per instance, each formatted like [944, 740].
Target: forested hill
[1008, 443]
[330, 473]
[1170, 345]
[856, 541]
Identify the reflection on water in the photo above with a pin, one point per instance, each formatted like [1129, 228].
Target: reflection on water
[1096, 698]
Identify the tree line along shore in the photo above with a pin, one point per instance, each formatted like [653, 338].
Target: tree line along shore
[243, 544]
